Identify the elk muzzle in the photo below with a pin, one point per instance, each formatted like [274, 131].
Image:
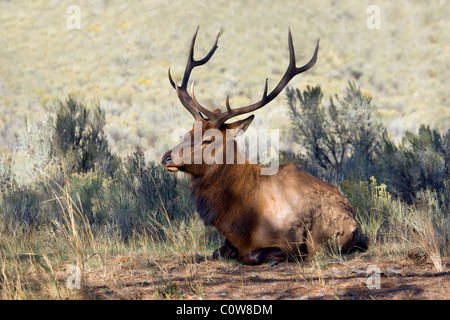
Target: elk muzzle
[168, 163]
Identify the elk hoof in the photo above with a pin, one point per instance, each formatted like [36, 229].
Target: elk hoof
[263, 255]
[227, 250]
[273, 264]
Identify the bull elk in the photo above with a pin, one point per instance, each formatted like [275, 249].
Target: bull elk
[264, 218]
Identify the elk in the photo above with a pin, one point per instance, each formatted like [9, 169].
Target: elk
[263, 218]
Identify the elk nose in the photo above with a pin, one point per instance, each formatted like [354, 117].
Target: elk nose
[167, 158]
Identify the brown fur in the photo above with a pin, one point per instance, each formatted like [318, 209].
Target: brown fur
[263, 218]
[291, 210]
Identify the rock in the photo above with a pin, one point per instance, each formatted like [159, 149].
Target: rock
[410, 273]
[392, 272]
[334, 273]
[359, 272]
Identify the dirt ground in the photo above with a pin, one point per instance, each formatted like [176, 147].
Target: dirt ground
[141, 278]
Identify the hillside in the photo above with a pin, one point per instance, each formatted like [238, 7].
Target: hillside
[121, 54]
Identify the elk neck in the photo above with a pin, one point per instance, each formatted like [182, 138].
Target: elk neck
[226, 197]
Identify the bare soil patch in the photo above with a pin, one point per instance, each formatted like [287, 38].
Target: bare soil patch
[141, 278]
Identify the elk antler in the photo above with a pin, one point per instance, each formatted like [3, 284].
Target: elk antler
[191, 104]
[196, 109]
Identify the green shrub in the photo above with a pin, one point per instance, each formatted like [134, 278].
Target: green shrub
[6, 175]
[420, 162]
[340, 140]
[142, 195]
[87, 190]
[124, 211]
[21, 206]
[148, 182]
[71, 163]
[36, 140]
[78, 138]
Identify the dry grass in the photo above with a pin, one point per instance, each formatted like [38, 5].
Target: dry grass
[176, 262]
[425, 228]
[144, 268]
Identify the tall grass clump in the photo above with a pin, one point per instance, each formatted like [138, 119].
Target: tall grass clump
[74, 227]
[372, 204]
[426, 225]
[386, 221]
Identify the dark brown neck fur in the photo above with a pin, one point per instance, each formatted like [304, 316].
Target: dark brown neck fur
[221, 195]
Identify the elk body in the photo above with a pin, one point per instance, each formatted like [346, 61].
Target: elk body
[262, 217]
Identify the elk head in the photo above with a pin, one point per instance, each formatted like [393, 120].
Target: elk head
[211, 132]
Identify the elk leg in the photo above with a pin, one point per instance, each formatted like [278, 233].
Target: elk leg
[227, 250]
[258, 256]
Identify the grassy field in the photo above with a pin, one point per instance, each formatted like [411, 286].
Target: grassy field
[39, 264]
[133, 233]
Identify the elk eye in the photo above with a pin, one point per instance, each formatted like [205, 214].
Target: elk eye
[206, 141]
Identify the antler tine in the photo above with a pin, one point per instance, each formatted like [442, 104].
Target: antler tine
[227, 103]
[291, 72]
[190, 103]
[196, 109]
[192, 63]
[265, 88]
[171, 80]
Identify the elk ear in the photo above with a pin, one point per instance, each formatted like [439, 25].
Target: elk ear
[240, 126]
